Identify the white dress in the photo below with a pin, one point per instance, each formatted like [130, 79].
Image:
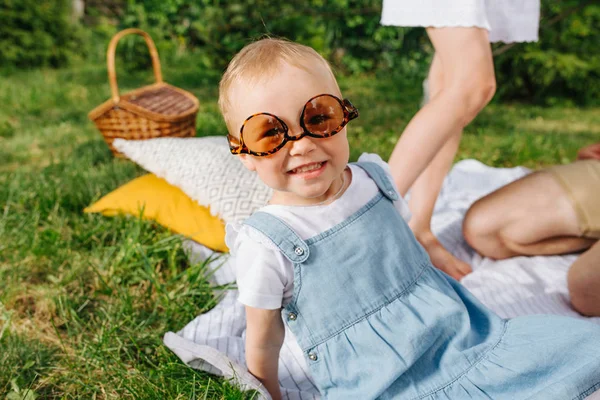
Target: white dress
[506, 20]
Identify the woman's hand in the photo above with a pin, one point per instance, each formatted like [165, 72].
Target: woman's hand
[591, 152]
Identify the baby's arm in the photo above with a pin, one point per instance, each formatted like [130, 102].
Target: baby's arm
[264, 338]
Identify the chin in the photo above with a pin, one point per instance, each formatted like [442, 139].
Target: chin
[312, 194]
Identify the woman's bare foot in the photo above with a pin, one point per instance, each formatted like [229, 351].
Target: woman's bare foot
[442, 258]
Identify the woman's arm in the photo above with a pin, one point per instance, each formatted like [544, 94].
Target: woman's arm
[591, 152]
[264, 338]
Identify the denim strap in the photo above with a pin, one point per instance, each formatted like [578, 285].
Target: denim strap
[378, 174]
[284, 237]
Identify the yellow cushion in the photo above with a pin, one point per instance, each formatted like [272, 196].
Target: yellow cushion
[168, 206]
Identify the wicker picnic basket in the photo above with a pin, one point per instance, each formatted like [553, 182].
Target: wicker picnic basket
[157, 110]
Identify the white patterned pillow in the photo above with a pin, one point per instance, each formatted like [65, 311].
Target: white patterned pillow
[204, 169]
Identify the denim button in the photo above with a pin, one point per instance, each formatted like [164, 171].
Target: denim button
[292, 316]
[299, 251]
[312, 356]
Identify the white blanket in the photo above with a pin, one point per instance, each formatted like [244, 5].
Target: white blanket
[522, 285]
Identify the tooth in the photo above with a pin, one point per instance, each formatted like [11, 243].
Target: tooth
[308, 167]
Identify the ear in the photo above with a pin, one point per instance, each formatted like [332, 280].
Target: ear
[248, 161]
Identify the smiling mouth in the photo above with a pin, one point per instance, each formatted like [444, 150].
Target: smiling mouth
[306, 168]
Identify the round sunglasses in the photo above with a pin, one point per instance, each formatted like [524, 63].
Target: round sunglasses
[263, 134]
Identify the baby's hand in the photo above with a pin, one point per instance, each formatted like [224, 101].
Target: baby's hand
[591, 152]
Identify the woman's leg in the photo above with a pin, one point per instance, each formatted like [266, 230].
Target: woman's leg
[462, 83]
[469, 85]
[530, 216]
[426, 189]
[584, 282]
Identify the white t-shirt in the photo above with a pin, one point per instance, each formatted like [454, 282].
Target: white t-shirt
[265, 277]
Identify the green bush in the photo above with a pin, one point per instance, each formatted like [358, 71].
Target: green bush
[345, 31]
[207, 33]
[564, 63]
[37, 33]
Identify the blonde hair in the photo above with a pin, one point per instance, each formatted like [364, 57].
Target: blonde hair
[262, 59]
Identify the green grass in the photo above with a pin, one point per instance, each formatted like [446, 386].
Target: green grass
[85, 300]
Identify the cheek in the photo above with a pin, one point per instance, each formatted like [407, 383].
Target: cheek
[270, 165]
[248, 161]
[338, 146]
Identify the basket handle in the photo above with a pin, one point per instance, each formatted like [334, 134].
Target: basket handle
[110, 59]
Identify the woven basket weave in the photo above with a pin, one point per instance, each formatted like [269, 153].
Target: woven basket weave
[157, 110]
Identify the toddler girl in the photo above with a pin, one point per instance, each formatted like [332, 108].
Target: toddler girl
[332, 257]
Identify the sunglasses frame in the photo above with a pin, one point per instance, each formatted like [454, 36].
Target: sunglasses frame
[237, 146]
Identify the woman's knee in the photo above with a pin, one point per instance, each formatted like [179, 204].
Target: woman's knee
[474, 91]
[483, 89]
[468, 67]
[477, 229]
[473, 225]
[582, 300]
[583, 280]
[483, 229]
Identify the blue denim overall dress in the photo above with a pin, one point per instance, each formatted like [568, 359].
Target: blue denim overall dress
[375, 319]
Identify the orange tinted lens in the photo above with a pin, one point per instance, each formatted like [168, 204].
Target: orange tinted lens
[263, 133]
[323, 115]
[233, 141]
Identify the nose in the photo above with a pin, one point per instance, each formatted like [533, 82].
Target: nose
[301, 146]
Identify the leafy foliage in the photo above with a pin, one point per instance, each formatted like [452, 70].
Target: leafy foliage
[37, 33]
[564, 63]
[347, 32]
